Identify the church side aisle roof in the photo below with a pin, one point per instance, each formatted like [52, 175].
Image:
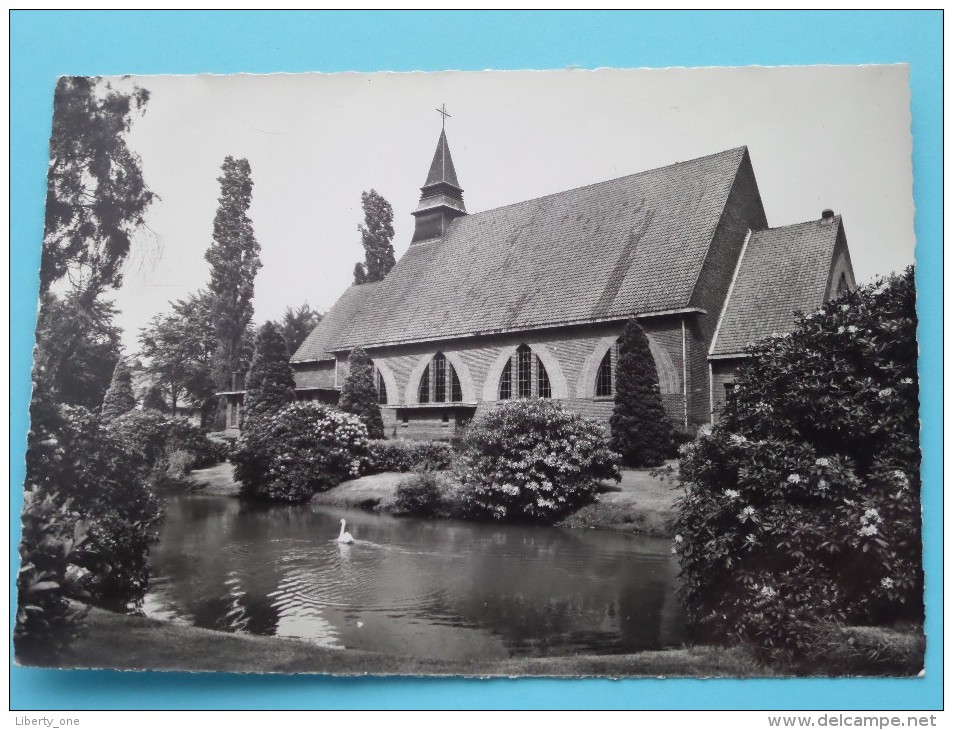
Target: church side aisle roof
[783, 270]
[631, 245]
[317, 345]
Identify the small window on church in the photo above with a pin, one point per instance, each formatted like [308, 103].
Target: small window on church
[381, 389]
[524, 376]
[439, 381]
[842, 286]
[605, 376]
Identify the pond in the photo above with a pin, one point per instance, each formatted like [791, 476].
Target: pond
[439, 589]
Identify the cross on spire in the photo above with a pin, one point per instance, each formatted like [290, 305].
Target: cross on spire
[443, 112]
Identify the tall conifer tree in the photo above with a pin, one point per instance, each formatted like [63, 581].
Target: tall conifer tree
[377, 232]
[119, 398]
[641, 429]
[270, 383]
[359, 393]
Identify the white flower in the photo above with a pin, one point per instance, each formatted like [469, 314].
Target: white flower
[732, 493]
[678, 538]
[887, 582]
[746, 512]
[794, 479]
[868, 531]
[872, 514]
[907, 381]
[822, 484]
[768, 592]
[884, 392]
[737, 439]
[822, 462]
[851, 329]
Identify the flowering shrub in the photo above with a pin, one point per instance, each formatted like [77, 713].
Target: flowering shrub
[420, 495]
[404, 455]
[302, 449]
[532, 460]
[803, 503]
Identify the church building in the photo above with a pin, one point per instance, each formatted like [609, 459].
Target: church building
[529, 300]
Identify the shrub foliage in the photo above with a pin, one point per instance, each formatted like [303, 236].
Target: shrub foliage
[302, 449]
[642, 432]
[359, 393]
[420, 495]
[532, 460]
[803, 503]
[405, 455]
[85, 471]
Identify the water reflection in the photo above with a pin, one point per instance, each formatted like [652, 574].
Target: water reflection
[438, 589]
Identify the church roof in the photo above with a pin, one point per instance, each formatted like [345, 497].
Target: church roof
[631, 245]
[441, 169]
[781, 271]
[319, 344]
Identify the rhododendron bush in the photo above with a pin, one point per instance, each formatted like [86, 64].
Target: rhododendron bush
[532, 460]
[803, 502]
[301, 449]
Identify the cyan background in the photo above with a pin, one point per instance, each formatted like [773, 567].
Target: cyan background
[46, 44]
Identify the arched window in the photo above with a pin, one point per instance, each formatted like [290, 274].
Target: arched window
[381, 388]
[524, 376]
[605, 376]
[439, 383]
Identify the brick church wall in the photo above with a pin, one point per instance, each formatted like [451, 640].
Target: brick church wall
[572, 353]
[723, 375]
[743, 212]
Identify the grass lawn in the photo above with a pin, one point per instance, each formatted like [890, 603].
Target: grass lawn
[111, 640]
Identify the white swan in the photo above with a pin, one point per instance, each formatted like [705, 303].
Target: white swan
[345, 537]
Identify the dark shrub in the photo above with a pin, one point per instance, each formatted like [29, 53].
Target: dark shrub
[79, 462]
[642, 432]
[46, 621]
[400, 455]
[803, 503]
[359, 393]
[302, 449]
[420, 495]
[151, 438]
[532, 460]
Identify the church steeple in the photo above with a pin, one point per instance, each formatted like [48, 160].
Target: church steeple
[441, 197]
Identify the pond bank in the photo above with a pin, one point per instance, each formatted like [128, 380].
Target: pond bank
[118, 641]
[640, 504]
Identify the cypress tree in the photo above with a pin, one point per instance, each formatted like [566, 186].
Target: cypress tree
[359, 393]
[270, 384]
[377, 232]
[119, 397]
[641, 429]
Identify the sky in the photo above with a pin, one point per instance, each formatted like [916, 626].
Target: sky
[819, 137]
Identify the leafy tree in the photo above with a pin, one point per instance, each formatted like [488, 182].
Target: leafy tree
[377, 232]
[359, 393]
[181, 347]
[154, 400]
[641, 429]
[803, 503]
[234, 261]
[119, 398]
[96, 196]
[77, 348]
[270, 384]
[297, 324]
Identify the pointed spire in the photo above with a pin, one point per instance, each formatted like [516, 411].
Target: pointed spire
[441, 169]
[441, 197]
